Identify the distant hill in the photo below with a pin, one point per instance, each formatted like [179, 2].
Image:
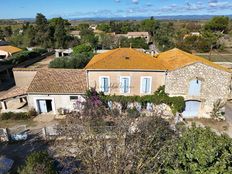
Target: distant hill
[176, 17]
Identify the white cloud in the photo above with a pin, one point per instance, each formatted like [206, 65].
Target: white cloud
[135, 1]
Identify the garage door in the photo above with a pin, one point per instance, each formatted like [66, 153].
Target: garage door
[192, 109]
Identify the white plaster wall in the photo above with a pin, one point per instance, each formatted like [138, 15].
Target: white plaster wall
[4, 53]
[58, 101]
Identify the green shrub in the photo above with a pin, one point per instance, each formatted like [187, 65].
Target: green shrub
[177, 104]
[15, 116]
[74, 62]
[132, 113]
[40, 50]
[38, 162]
[32, 112]
[23, 56]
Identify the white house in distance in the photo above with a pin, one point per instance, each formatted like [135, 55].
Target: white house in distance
[63, 52]
[75, 33]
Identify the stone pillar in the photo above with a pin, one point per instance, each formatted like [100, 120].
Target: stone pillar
[4, 105]
[25, 99]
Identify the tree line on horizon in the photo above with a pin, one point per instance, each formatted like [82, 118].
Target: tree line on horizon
[54, 33]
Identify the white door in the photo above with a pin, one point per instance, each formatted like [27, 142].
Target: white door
[42, 106]
[192, 109]
[194, 88]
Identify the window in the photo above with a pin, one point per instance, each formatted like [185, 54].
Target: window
[124, 84]
[73, 98]
[194, 87]
[145, 87]
[104, 84]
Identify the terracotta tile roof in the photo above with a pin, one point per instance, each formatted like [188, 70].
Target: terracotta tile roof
[14, 92]
[176, 58]
[10, 49]
[59, 81]
[131, 59]
[126, 59]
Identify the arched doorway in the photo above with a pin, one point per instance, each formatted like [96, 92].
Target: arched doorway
[192, 108]
[194, 87]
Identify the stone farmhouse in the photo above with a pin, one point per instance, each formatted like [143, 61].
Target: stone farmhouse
[126, 71]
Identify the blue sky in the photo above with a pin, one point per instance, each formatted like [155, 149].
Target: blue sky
[112, 8]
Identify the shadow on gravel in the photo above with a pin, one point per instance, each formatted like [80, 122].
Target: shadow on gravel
[18, 151]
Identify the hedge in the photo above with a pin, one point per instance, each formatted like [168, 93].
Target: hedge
[177, 104]
[25, 55]
[18, 116]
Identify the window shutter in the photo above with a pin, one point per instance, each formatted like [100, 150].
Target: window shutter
[148, 83]
[144, 85]
[106, 85]
[126, 85]
[102, 84]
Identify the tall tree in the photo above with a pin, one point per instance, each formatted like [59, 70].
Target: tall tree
[218, 23]
[42, 35]
[7, 31]
[60, 32]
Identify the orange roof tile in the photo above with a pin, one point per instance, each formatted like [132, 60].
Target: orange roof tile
[176, 58]
[124, 58]
[59, 81]
[10, 49]
[128, 59]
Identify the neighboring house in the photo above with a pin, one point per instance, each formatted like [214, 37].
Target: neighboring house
[54, 89]
[7, 51]
[144, 35]
[198, 34]
[129, 35]
[75, 33]
[63, 52]
[125, 71]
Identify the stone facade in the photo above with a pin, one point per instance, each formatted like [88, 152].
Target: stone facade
[215, 84]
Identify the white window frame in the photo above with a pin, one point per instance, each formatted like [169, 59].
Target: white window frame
[141, 84]
[120, 88]
[100, 89]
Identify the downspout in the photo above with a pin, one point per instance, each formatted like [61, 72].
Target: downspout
[165, 80]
